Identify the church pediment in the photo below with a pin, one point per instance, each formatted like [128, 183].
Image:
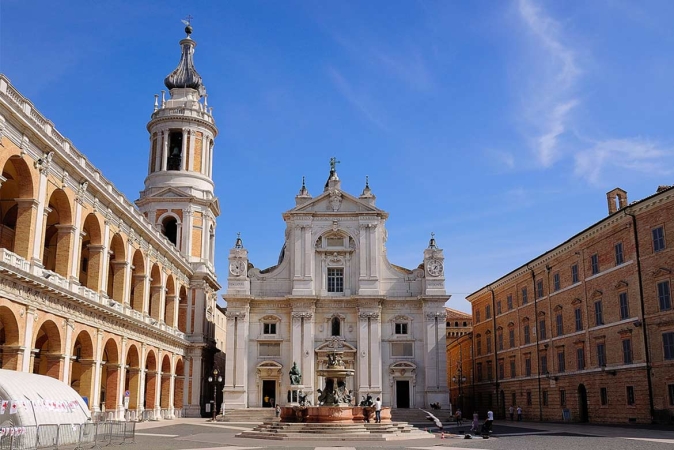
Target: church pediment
[335, 201]
[171, 193]
[335, 345]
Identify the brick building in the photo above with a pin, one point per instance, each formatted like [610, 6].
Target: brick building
[585, 331]
[117, 300]
[459, 359]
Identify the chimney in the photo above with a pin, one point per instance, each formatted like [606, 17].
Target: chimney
[617, 200]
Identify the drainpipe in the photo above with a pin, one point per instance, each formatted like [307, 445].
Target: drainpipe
[643, 315]
[538, 357]
[493, 320]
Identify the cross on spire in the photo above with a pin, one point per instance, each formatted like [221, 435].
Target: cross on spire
[188, 19]
[333, 164]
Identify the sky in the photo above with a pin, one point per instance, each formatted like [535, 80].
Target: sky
[499, 126]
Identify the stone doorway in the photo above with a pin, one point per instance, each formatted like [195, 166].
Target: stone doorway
[582, 404]
[268, 393]
[402, 393]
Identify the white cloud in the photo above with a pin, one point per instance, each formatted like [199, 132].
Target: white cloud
[549, 100]
[633, 154]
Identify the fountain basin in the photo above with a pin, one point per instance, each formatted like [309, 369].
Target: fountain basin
[332, 414]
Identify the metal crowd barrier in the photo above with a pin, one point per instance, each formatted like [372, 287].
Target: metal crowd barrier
[87, 435]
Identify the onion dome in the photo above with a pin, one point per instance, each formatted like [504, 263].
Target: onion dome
[185, 75]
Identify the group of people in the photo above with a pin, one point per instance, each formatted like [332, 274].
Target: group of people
[475, 426]
[512, 410]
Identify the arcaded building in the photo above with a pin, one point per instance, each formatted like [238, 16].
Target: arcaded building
[585, 331]
[114, 298]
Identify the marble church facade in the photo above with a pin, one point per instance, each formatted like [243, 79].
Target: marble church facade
[334, 289]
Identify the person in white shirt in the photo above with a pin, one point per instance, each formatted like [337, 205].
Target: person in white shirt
[488, 422]
[377, 410]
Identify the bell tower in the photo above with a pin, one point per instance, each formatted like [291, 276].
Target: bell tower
[179, 194]
[179, 201]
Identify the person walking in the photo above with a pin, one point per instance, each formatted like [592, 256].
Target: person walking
[519, 414]
[511, 410]
[377, 410]
[458, 417]
[475, 428]
[486, 427]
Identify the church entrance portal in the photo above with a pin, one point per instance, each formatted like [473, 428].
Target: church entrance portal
[268, 393]
[402, 393]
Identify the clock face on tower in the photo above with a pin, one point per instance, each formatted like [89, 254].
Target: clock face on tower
[434, 268]
[236, 268]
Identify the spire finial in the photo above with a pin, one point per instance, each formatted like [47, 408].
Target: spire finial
[185, 75]
[239, 242]
[431, 243]
[188, 25]
[333, 164]
[303, 185]
[367, 181]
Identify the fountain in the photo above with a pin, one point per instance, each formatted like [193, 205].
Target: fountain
[335, 417]
[335, 401]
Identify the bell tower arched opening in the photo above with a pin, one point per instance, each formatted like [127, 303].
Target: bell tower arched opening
[169, 228]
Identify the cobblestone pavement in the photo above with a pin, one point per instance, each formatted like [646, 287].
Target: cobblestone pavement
[200, 434]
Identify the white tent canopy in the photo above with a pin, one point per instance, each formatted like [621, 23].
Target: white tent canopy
[30, 399]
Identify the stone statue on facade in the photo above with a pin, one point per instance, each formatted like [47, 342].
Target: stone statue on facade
[295, 375]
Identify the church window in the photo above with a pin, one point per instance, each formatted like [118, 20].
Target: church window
[401, 328]
[169, 228]
[402, 349]
[269, 349]
[175, 150]
[335, 327]
[269, 328]
[335, 279]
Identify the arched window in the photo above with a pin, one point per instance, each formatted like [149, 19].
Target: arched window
[169, 228]
[335, 326]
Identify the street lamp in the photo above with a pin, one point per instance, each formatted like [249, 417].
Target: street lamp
[215, 379]
[461, 379]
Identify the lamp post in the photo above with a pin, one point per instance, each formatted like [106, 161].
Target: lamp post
[215, 378]
[460, 379]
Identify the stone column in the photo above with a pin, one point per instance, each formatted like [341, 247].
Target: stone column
[172, 386]
[105, 261]
[141, 378]
[375, 353]
[96, 256]
[64, 245]
[31, 318]
[98, 368]
[183, 159]
[164, 149]
[157, 389]
[38, 236]
[77, 244]
[69, 325]
[122, 382]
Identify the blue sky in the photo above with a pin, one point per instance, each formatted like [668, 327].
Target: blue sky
[499, 126]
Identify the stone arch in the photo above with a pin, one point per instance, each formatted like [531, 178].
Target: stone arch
[165, 395]
[10, 339]
[83, 364]
[48, 350]
[171, 300]
[156, 287]
[182, 310]
[58, 234]
[110, 375]
[179, 385]
[150, 379]
[116, 266]
[91, 252]
[170, 226]
[16, 206]
[132, 381]
[137, 292]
